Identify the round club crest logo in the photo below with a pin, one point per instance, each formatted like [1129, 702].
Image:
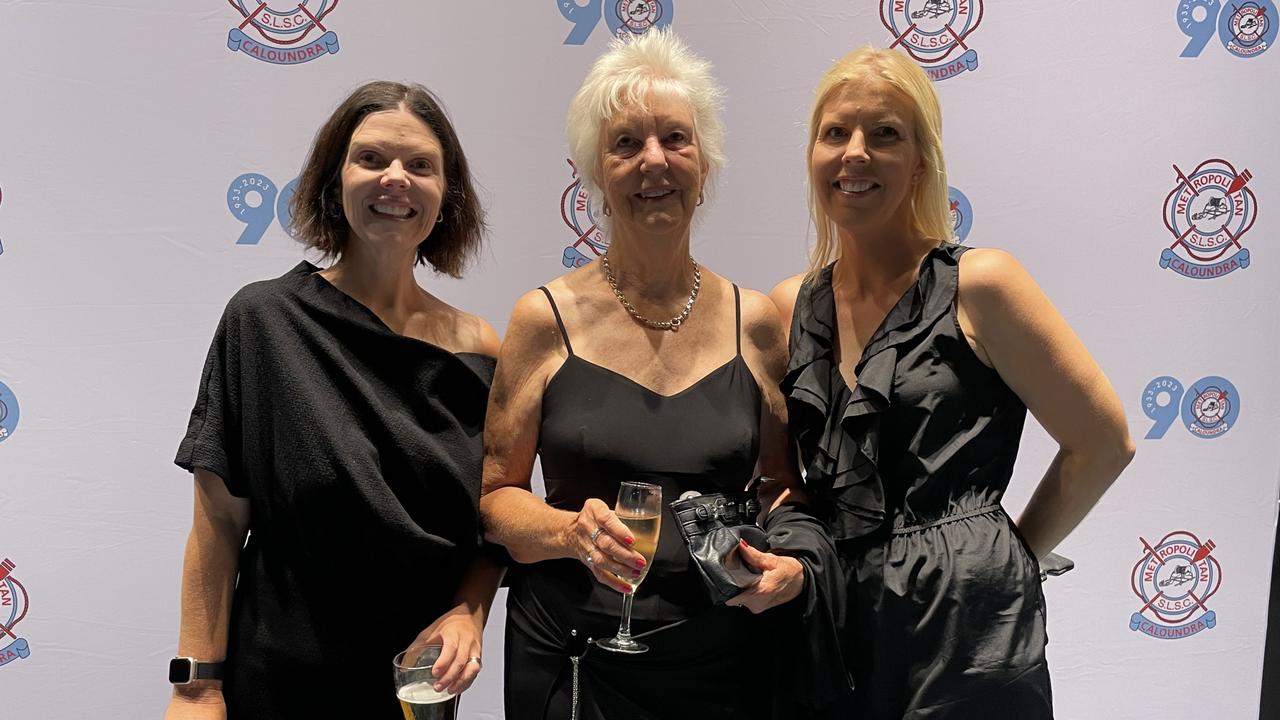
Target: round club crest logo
[634, 16]
[13, 608]
[281, 28]
[575, 210]
[1209, 408]
[1248, 29]
[624, 17]
[8, 412]
[1208, 213]
[961, 214]
[935, 33]
[1174, 579]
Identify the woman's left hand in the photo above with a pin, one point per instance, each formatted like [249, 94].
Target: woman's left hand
[460, 635]
[781, 580]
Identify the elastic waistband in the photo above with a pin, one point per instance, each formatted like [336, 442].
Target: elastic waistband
[984, 510]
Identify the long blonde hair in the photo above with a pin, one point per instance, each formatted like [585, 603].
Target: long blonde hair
[930, 208]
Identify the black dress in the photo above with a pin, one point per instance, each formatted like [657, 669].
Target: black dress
[705, 661]
[359, 452]
[945, 614]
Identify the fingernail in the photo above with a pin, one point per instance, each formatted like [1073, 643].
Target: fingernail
[635, 574]
[641, 563]
[630, 541]
[743, 543]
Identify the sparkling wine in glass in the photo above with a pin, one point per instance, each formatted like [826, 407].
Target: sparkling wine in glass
[639, 507]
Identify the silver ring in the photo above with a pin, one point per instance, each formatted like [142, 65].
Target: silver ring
[587, 559]
[475, 660]
[595, 534]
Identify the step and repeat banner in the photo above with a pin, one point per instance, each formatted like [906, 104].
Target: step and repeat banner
[1124, 152]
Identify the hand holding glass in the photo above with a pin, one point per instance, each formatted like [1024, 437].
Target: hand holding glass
[415, 686]
[639, 507]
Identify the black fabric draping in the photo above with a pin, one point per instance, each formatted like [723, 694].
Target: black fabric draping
[945, 615]
[359, 451]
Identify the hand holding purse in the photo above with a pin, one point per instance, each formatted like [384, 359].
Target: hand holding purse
[712, 525]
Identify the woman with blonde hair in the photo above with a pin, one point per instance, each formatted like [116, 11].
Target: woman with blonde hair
[913, 363]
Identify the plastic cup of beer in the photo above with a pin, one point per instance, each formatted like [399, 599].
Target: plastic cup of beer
[415, 686]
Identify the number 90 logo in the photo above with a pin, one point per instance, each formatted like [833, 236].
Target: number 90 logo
[1246, 28]
[255, 201]
[622, 16]
[1208, 409]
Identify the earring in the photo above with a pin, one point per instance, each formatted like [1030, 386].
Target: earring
[604, 210]
[440, 217]
[702, 196]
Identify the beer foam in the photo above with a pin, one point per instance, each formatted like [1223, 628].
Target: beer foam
[422, 693]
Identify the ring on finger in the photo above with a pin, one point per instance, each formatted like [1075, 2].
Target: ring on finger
[475, 660]
[588, 559]
[595, 534]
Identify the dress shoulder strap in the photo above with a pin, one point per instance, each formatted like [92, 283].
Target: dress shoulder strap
[564, 335]
[737, 315]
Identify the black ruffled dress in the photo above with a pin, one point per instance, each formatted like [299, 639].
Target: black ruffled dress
[945, 615]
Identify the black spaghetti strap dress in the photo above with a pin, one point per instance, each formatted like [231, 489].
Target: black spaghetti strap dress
[945, 615]
[706, 661]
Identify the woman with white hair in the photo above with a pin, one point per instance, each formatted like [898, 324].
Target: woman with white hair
[644, 365]
[913, 365]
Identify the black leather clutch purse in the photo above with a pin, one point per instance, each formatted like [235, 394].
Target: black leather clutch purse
[712, 525]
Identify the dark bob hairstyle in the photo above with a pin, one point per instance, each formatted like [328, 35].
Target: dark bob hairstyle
[318, 218]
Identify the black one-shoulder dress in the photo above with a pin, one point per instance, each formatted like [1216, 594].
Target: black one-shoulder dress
[359, 451]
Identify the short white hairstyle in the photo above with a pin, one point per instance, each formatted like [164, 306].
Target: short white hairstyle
[634, 67]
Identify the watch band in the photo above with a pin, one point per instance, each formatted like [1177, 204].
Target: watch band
[183, 670]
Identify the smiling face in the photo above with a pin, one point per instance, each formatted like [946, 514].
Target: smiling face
[651, 170]
[393, 181]
[865, 162]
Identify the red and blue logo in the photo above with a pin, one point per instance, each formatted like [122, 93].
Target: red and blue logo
[13, 608]
[624, 17]
[575, 209]
[1208, 212]
[1246, 29]
[961, 214]
[935, 33]
[1174, 579]
[280, 30]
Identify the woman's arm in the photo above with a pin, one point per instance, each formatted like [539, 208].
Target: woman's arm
[764, 348]
[1016, 330]
[219, 524]
[513, 516]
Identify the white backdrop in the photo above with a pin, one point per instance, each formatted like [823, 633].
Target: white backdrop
[123, 124]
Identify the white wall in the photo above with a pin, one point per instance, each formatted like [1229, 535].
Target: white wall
[124, 122]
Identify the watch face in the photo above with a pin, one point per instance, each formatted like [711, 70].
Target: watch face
[180, 670]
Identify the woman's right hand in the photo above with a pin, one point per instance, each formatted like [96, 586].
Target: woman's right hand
[206, 705]
[603, 544]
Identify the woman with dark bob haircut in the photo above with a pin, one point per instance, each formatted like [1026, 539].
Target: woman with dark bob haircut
[338, 425]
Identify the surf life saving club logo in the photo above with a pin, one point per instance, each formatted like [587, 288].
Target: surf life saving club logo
[280, 29]
[935, 33]
[13, 608]
[624, 17]
[1174, 579]
[1208, 212]
[961, 214]
[1246, 29]
[575, 210]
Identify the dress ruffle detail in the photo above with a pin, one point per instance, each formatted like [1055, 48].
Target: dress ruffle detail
[841, 448]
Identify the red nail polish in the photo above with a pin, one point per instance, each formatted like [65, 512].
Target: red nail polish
[635, 574]
[743, 543]
[641, 563]
[630, 541]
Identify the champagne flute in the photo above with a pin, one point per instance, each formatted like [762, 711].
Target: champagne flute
[639, 507]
